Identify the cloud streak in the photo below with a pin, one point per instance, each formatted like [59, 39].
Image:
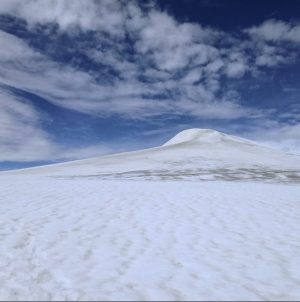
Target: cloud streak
[20, 135]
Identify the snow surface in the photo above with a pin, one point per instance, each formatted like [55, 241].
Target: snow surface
[145, 226]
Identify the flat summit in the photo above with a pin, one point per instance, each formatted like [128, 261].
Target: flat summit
[197, 135]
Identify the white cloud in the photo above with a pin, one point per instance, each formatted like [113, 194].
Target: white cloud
[276, 30]
[214, 66]
[274, 43]
[269, 60]
[192, 76]
[78, 90]
[86, 15]
[173, 46]
[236, 69]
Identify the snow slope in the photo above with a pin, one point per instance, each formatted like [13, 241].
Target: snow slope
[193, 154]
[132, 227]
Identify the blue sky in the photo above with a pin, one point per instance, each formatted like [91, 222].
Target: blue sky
[83, 78]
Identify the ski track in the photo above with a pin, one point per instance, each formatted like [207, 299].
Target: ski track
[85, 239]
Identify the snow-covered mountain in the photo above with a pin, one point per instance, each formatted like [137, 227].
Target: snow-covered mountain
[192, 154]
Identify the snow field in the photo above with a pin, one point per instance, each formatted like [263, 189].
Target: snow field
[86, 239]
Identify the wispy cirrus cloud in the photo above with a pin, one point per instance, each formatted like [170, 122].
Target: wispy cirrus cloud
[21, 136]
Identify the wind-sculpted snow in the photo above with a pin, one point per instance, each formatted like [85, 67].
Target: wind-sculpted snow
[90, 239]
